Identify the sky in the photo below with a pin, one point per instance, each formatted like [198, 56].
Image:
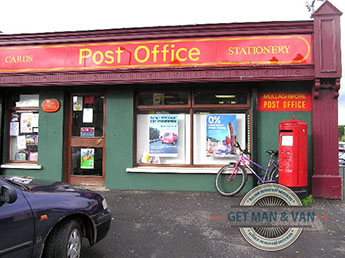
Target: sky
[23, 16]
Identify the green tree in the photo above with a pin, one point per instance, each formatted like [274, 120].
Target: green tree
[341, 133]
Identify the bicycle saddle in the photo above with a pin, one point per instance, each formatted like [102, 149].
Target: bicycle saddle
[274, 152]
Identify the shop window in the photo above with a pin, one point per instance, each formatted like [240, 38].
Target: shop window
[220, 97]
[215, 135]
[23, 128]
[159, 98]
[190, 127]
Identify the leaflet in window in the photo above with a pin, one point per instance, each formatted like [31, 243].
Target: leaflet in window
[163, 135]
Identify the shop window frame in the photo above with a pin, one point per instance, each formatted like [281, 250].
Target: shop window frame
[28, 109]
[192, 107]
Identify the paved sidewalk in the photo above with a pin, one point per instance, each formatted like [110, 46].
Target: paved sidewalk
[193, 224]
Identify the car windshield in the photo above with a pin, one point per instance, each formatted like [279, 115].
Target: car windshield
[16, 182]
[341, 154]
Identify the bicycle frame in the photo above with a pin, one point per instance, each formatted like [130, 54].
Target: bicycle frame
[243, 159]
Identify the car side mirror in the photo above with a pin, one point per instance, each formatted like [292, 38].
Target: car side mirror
[7, 194]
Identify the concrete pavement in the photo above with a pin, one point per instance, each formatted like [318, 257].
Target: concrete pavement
[194, 224]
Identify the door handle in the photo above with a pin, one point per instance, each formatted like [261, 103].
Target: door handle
[99, 141]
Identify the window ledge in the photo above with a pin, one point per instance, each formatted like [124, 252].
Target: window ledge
[173, 170]
[176, 170]
[21, 166]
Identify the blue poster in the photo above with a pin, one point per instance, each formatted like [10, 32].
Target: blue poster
[163, 136]
[221, 135]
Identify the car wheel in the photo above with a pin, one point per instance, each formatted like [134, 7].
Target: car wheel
[64, 241]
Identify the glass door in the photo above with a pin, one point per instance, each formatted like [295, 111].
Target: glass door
[86, 164]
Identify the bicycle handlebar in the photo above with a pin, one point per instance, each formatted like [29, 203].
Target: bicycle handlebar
[271, 152]
[243, 151]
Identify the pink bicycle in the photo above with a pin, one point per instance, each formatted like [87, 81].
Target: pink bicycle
[232, 177]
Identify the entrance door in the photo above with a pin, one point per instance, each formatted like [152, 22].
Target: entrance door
[86, 148]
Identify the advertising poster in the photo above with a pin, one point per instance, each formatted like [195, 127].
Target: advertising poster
[26, 122]
[87, 158]
[221, 135]
[88, 132]
[163, 136]
[88, 115]
[14, 128]
[77, 103]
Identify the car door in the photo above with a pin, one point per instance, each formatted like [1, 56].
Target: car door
[16, 227]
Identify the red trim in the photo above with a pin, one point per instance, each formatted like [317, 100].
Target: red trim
[230, 51]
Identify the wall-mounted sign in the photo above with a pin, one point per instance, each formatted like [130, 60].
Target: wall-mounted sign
[227, 51]
[283, 101]
[50, 105]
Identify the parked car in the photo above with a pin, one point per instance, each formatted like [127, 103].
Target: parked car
[342, 158]
[169, 138]
[341, 146]
[48, 219]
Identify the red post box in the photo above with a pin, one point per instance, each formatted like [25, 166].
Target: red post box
[293, 153]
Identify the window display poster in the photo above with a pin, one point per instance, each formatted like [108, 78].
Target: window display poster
[77, 103]
[14, 128]
[35, 120]
[221, 135]
[87, 158]
[88, 115]
[26, 122]
[163, 135]
[88, 132]
[21, 142]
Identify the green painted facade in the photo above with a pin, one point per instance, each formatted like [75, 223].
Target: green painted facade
[120, 144]
[268, 122]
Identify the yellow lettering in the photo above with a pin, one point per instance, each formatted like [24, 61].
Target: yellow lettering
[119, 52]
[19, 59]
[259, 50]
[164, 52]
[178, 54]
[194, 52]
[172, 53]
[243, 51]
[147, 54]
[231, 51]
[109, 57]
[94, 57]
[84, 56]
[155, 52]
[274, 49]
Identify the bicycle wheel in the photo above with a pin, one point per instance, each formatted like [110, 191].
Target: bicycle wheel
[227, 182]
[273, 175]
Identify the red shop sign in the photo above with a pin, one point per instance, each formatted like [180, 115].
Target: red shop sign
[50, 105]
[227, 51]
[291, 101]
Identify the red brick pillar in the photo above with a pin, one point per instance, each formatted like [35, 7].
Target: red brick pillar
[326, 181]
